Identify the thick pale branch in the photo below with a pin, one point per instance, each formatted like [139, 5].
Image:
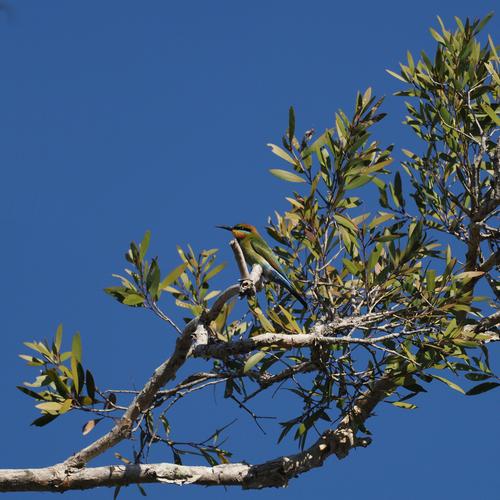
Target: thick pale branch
[273, 473]
[285, 340]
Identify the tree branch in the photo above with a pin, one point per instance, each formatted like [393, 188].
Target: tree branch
[122, 429]
[288, 341]
[194, 333]
[273, 473]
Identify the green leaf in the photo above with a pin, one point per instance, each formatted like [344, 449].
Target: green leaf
[32, 361]
[215, 270]
[39, 347]
[395, 75]
[58, 338]
[285, 175]
[406, 406]
[66, 406]
[282, 154]
[468, 275]
[437, 36]
[39, 381]
[351, 266]
[291, 124]
[485, 20]
[253, 360]
[339, 126]
[211, 295]
[153, 279]
[133, 299]
[374, 256]
[343, 221]
[76, 347]
[476, 377]
[145, 244]
[51, 407]
[480, 388]
[357, 181]
[135, 252]
[449, 383]
[118, 292]
[78, 375]
[89, 382]
[173, 276]
[492, 114]
[266, 324]
[398, 188]
[30, 393]
[61, 387]
[430, 278]
[44, 420]
[380, 220]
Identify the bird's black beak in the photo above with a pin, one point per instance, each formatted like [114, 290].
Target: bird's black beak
[227, 228]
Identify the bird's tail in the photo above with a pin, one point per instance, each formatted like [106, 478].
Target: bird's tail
[299, 297]
[279, 278]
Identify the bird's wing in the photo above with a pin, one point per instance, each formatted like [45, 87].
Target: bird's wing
[264, 250]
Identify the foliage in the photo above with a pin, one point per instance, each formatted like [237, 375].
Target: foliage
[62, 384]
[392, 292]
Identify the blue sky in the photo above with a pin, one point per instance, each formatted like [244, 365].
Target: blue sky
[123, 116]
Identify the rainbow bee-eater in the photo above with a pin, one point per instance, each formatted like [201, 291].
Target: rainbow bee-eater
[257, 251]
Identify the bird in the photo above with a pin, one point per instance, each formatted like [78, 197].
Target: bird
[256, 251]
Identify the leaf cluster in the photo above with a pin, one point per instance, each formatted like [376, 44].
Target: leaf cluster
[62, 384]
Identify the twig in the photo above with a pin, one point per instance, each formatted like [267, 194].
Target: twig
[251, 413]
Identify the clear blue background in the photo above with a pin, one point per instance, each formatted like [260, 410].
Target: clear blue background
[120, 116]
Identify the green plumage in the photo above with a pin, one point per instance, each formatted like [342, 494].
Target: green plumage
[257, 251]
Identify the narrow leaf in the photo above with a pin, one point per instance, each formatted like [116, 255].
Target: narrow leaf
[406, 406]
[90, 425]
[291, 124]
[143, 247]
[253, 360]
[282, 154]
[214, 271]
[285, 175]
[76, 347]
[133, 299]
[343, 221]
[480, 388]
[58, 338]
[449, 383]
[172, 276]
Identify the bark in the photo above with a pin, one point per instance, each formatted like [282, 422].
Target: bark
[223, 349]
[273, 473]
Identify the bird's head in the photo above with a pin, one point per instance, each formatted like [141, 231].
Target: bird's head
[241, 231]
